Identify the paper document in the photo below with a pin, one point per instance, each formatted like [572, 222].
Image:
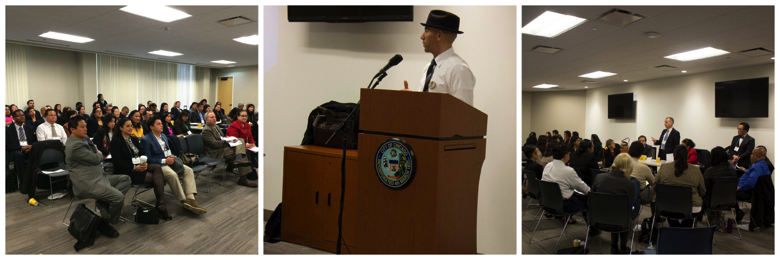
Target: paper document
[229, 138]
[108, 157]
[234, 144]
[255, 149]
[669, 157]
[53, 172]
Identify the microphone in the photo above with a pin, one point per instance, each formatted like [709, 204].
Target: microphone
[393, 61]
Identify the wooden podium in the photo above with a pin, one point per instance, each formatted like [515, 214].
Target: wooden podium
[436, 213]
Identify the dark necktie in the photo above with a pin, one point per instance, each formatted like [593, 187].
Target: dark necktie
[429, 75]
[22, 136]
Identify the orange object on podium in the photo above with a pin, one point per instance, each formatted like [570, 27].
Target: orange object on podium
[426, 205]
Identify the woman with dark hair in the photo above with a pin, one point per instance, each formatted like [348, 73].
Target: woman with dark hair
[206, 109]
[95, 121]
[719, 171]
[609, 153]
[167, 124]
[681, 173]
[135, 120]
[567, 137]
[547, 156]
[250, 109]
[104, 135]
[64, 120]
[115, 112]
[219, 112]
[141, 109]
[126, 150]
[78, 104]
[531, 140]
[232, 115]
[164, 107]
[582, 160]
[532, 155]
[575, 144]
[181, 127]
[541, 145]
[82, 112]
[58, 110]
[153, 108]
[548, 134]
[102, 101]
[575, 134]
[32, 118]
[692, 157]
[597, 148]
[8, 118]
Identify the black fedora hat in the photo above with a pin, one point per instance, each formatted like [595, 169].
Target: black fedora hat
[443, 20]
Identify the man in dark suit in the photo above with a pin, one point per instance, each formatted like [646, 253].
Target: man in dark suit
[195, 115]
[84, 164]
[175, 110]
[670, 138]
[647, 150]
[742, 146]
[31, 104]
[556, 136]
[19, 138]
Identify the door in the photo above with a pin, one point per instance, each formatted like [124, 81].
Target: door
[225, 92]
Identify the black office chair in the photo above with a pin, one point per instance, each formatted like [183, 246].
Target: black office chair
[51, 162]
[704, 158]
[552, 202]
[533, 187]
[744, 208]
[196, 146]
[197, 169]
[678, 240]
[673, 202]
[723, 198]
[609, 213]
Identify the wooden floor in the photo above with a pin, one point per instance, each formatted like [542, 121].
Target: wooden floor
[229, 227]
[762, 242]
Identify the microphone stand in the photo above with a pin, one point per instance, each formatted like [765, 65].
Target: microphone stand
[342, 127]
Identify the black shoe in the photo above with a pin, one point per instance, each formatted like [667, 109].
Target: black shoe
[624, 250]
[740, 215]
[614, 250]
[107, 230]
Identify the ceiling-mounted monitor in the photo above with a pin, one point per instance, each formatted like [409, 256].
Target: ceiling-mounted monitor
[742, 98]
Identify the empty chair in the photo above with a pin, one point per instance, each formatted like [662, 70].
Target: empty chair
[552, 202]
[723, 198]
[533, 187]
[677, 240]
[673, 202]
[53, 165]
[609, 213]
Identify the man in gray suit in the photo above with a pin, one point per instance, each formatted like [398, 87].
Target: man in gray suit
[83, 162]
[218, 148]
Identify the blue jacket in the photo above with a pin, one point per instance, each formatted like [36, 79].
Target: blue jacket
[750, 177]
[151, 148]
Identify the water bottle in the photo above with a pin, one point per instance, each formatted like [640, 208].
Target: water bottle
[650, 247]
[728, 228]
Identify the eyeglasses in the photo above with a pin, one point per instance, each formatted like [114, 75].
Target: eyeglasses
[243, 116]
[740, 129]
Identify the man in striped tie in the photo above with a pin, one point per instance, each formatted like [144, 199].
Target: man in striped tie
[19, 138]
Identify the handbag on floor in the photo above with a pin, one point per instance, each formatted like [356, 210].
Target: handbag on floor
[147, 216]
[83, 226]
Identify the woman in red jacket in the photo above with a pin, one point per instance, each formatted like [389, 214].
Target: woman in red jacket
[692, 157]
[241, 129]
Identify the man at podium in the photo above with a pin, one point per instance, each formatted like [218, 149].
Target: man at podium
[447, 72]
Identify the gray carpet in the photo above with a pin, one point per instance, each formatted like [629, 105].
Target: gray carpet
[286, 248]
[229, 227]
[762, 242]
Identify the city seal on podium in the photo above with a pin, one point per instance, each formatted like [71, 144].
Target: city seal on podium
[395, 163]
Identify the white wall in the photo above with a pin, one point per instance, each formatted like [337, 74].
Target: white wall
[53, 77]
[319, 62]
[689, 99]
[561, 110]
[245, 84]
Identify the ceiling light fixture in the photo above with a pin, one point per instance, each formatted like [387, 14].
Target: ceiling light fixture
[684, 71]
[66, 37]
[586, 86]
[597, 74]
[697, 54]
[165, 53]
[625, 80]
[545, 86]
[156, 12]
[251, 40]
[223, 61]
[551, 24]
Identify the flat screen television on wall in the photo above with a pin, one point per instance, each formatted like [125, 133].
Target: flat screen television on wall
[349, 14]
[742, 98]
[620, 106]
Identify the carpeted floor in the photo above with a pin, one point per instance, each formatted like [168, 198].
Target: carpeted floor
[229, 227]
[762, 242]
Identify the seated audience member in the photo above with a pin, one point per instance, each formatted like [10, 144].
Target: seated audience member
[749, 179]
[103, 102]
[108, 109]
[692, 157]
[583, 160]
[8, 118]
[741, 146]
[250, 109]
[218, 148]
[547, 156]
[149, 103]
[532, 155]
[574, 144]
[220, 113]
[719, 171]
[124, 112]
[19, 138]
[153, 108]
[541, 145]
[103, 136]
[31, 104]
[115, 112]
[176, 110]
[163, 108]
[84, 164]
[567, 137]
[642, 173]
[597, 148]
[240, 106]
[531, 139]
[95, 121]
[167, 123]
[768, 162]
[160, 151]
[182, 125]
[33, 118]
[610, 152]
[50, 129]
[138, 128]
[206, 109]
[63, 121]
[145, 116]
[567, 180]
[242, 129]
[619, 181]
[232, 115]
[127, 153]
[647, 150]
[58, 109]
[195, 115]
[81, 111]
[681, 173]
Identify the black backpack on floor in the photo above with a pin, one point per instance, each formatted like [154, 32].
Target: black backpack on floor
[644, 236]
[273, 229]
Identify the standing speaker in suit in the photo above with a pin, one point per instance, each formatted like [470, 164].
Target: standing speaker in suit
[670, 138]
[742, 146]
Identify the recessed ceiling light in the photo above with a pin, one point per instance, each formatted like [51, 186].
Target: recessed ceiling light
[223, 61]
[551, 24]
[545, 86]
[586, 86]
[66, 37]
[625, 80]
[697, 54]
[158, 12]
[231, 65]
[684, 71]
[252, 40]
[773, 58]
[165, 53]
[597, 74]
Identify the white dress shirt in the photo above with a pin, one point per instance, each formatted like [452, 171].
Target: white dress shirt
[43, 132]
[556, 171]
[451, 75]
